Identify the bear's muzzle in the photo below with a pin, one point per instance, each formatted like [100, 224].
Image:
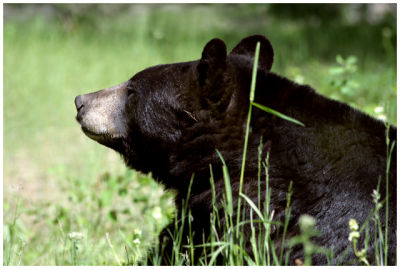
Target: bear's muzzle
[100, 113]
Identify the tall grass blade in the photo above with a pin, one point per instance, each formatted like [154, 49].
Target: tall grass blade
[228, 189]
[276, 113]
[253, 240]
[267, 215]
[253, 206]
[259, 173]
[388, 161]
[251, 98]
[214, 214]
[287, 218]
[254, 73]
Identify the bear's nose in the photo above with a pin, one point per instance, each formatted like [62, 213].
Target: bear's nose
[78, 102]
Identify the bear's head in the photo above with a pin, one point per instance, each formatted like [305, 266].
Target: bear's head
[171, 110]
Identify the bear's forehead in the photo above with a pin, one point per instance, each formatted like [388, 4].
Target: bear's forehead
[163, 70]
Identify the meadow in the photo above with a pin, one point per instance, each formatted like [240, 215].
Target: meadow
[68, 200]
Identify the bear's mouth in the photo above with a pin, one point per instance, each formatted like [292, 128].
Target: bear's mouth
[103, 138]
[95, 136]
[108, 140]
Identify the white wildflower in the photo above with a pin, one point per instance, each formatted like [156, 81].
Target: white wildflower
[157, 213]
[75, 235]
[353, 225]
[307, 222]
[354, 235]
[378, 109]
[376, 196]
[382, 117]
[299, 79]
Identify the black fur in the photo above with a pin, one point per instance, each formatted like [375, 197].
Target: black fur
[179, 114]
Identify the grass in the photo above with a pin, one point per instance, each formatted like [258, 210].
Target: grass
[63, 193]
[83, 225]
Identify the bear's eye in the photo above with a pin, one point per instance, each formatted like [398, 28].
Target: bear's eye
[130, 90]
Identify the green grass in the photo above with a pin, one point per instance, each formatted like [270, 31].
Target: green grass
[57, 181]
[74, 229]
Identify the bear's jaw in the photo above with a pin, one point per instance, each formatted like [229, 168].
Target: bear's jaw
[113, 142]
[99, 137]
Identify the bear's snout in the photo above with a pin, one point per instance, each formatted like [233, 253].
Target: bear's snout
[78, 102]
[101, 113]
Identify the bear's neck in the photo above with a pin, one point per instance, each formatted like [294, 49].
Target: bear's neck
[334, 134]
[326, 122]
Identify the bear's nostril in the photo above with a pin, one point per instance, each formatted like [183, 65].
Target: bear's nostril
[78, 102]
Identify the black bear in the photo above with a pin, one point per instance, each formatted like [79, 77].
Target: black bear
[171, 119]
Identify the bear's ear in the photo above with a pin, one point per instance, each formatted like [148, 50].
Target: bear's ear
[213, 60]
[247, 48]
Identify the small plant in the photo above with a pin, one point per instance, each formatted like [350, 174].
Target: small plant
[353, 238]
[343, 80]
[14, 243]
[75, 238]
[389, 150]
[379, 112]
[307, 228]
[380, 235]
[14, 238]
